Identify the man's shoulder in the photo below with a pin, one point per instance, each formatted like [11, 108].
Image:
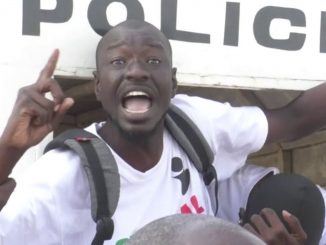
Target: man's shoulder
[200, 106]
[197, 107]
[55, 168]
[52, 186]
[184, 99]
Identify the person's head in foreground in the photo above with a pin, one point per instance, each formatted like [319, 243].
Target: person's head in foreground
[191, 229]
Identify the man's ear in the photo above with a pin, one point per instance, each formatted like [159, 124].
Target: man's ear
[97, 86]
[174, 82]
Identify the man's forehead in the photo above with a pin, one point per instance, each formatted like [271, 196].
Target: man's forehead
[131, 30]
[134, 40]
[127, 36]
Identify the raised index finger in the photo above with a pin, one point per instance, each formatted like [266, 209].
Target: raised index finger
[48, 70]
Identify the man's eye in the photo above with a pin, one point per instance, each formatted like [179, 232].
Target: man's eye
[118, 62]
[153, 61]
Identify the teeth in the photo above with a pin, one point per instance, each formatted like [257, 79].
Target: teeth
[136, 93]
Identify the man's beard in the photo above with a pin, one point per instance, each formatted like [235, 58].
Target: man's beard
[136, 136]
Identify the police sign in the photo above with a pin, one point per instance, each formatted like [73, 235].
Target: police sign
[255, 44]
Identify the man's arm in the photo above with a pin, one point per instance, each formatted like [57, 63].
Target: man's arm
[299, 118]
[32, 118]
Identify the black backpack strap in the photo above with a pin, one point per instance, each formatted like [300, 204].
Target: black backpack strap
[190, 138]
[102, 173]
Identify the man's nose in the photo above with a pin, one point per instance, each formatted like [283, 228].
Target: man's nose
[136, 70]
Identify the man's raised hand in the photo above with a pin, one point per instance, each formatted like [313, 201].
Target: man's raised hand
[34, 115]
[32, 118]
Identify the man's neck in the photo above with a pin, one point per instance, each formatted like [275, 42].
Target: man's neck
[141, 153]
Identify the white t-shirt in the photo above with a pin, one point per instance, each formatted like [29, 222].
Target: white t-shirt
[51, 203]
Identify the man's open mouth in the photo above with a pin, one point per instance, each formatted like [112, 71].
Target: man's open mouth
[137, 102]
